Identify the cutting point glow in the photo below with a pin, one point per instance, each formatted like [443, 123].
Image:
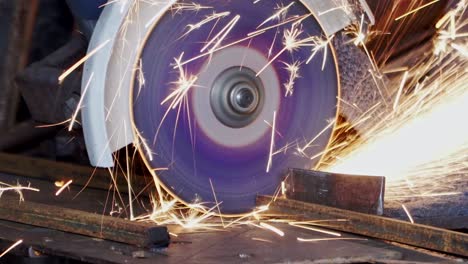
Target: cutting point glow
[421, 146]
[397, 151]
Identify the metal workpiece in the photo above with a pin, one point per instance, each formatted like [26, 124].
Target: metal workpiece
[79, 222]
[373, 226]
[363, 194]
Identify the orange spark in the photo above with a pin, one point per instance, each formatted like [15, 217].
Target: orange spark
[11, 247]
[63, 187]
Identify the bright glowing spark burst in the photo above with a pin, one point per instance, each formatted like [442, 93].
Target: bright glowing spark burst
[4, 187]
[292, 42]
[422, 145]
[178, 99]
[183, 86]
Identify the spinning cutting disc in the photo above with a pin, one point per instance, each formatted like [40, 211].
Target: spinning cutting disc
[223, 122]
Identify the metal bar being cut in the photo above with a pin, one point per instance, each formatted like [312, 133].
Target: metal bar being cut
[83, 223]
[363, 194]
[57, 171]
[372, 226]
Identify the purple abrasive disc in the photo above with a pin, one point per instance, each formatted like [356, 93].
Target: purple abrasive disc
[195, 139]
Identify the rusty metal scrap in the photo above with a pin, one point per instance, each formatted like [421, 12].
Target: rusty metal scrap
[83, 223]
[373, 226]
[363, 194]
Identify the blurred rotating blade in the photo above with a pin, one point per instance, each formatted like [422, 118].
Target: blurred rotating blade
[208, 96]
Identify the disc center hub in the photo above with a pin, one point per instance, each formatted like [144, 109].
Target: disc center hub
[237, 97]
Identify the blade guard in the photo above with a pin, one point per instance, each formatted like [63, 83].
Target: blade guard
[106, 115]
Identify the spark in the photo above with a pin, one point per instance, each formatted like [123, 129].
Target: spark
[416, 10]
[328, 239]
[282, 11]
[292, 42]
[463, 50]
[209, 53]
[400, 91]
[311, 142]
[183, 86]
[272, 144]
[319, 230]
[4, 187]
[217, 40]
[56, 124]
[59, 191]
[194, 220]
[427, 195]
[82, 60]
[250, 36]
[129, 183]
[216, 201]
[396, 70]
[407, 213]
[140, 76]
[293, 71]
[179, 7]
[255, 214]
[448, 16]
[272, 229]
[179, 96]
[208, 19]
[295, 19]
[360, 35]
[319, 44]
[317, 222]
[11, 247]
[80, 103]
[261, 240]
[344, 7]
[140, 141]
[283, 189]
